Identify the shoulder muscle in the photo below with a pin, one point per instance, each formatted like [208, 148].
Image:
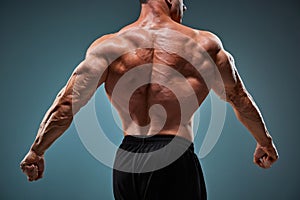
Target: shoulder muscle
[212, 42]
[99, 41]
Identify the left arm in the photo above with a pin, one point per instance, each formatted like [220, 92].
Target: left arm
[84, 81]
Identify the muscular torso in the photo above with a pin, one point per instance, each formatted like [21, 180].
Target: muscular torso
[159, 78]
[156, 75]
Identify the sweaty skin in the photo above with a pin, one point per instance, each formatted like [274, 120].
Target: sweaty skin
[154, 41]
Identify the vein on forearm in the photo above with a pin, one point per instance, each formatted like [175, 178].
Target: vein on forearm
[248, 113]
[57, 119]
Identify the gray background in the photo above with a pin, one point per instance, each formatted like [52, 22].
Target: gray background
[43, 41]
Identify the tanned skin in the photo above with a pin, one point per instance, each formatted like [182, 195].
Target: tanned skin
[159, 20]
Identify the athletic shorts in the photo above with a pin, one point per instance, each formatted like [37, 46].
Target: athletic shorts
[160, 167]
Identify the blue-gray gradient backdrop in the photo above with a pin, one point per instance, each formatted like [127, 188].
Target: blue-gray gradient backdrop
[43, 41]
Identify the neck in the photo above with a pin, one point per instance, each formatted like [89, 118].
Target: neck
[154, 12]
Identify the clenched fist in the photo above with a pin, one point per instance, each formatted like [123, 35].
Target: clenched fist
[33, 166]
[265, 156]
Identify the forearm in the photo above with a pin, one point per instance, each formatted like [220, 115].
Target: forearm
[249, 115]
[55, 122]
[48, 133]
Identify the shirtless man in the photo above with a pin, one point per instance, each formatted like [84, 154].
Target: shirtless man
[166, 60]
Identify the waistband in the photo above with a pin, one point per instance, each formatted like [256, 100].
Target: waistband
[158, 139]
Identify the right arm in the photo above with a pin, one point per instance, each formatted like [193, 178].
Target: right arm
[229, 86]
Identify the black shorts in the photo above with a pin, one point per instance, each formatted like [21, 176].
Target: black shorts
[146, 169]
